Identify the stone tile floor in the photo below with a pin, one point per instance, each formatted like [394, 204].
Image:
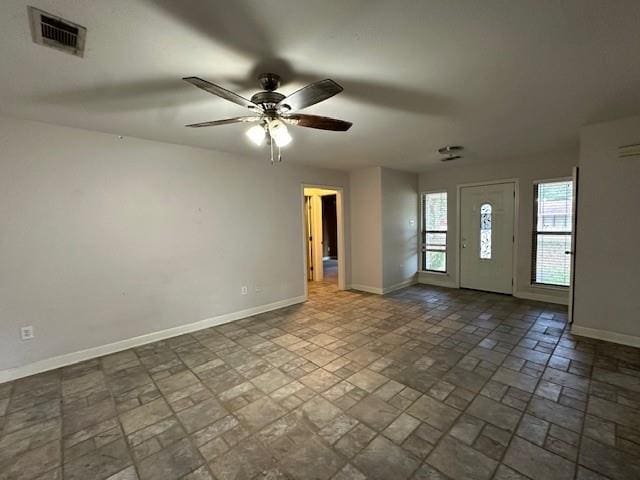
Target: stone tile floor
[425, 383]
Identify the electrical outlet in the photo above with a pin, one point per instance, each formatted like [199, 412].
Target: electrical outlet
[244, 290]
[27, 333]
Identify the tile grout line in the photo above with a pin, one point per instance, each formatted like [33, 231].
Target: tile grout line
[524, 410]
[462, 412]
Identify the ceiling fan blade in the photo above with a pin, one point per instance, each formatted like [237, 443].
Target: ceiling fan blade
[221, 92]
[315, 121]
[309, 95]
[226, 121]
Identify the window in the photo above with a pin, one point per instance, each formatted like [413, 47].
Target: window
[485, 231]
[552, 230]
[434, 232]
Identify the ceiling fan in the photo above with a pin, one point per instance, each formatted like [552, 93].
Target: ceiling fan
[272, 111]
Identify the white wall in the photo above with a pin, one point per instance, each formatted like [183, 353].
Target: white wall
[399, 228]
[606, 302]
[366, 229]
[103, 239]
[526, 170]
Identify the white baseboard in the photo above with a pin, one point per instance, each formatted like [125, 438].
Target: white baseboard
[382, 291]
[607, 335]
[398, 286]
[542, 297]
[366, 288]
[82, 355]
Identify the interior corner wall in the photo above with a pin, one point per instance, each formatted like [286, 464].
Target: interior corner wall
[106, 239]
[526, 170]
[399, 228]
[366, 229]
[607, 276]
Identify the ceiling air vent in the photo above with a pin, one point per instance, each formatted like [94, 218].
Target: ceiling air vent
[629, 151]
[53, 31]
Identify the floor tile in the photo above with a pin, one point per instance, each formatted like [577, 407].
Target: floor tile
[260, 413]
[494, 412]
[433, 412]
[144, 415]
[461, 462]
[374, 412]
[201, 414]
[171, 463]
[312, 460]
[422, 383]
[609, 461]
[99, 464]
[33, 463]
[537, 463]
[383, 460]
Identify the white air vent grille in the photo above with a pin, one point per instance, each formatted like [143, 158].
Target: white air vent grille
[629, 151]
[53, 31]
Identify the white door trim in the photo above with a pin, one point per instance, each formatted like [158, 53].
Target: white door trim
[575, 178]
[341, 240]
[516, 213]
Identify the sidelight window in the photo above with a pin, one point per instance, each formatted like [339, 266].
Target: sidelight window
[552, 232]
[434, 232]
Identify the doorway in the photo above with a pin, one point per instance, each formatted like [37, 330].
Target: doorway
[487, 218]
[323, 235]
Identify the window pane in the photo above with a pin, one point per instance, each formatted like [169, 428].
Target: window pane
[437, 241]
[554, 207]
[435, 211]
[552, 234]
[485, 231]
[434, 247]
[436, 261]
[552, 264]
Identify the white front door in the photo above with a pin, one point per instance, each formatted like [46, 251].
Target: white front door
[487, 237]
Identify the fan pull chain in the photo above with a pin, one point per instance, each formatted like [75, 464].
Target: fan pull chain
[279, 154]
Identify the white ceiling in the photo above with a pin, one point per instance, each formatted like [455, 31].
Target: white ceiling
[503, 78]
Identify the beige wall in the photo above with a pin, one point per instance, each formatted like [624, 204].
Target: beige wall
[606, 303]
[103, 239]
[399, 227]
[526, 170]
[366, 229]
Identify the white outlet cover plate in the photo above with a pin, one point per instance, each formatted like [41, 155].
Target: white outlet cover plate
[27, 333]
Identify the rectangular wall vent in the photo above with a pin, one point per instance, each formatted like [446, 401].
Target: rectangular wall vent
[53, 31]
[629, 151]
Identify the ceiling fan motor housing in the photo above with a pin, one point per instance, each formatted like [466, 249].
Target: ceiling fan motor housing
[268, 100]
[269, 81]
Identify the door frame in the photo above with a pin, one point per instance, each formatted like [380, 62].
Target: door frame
[516, 216]
[341, 234]
[572, 282]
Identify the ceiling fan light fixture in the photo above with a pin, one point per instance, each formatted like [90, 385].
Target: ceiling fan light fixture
[257, 134]
[279, 133]
[272, 110]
